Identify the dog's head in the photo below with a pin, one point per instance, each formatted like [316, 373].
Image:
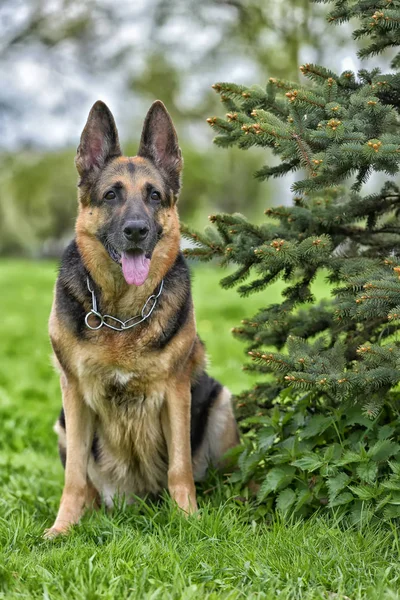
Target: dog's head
[127, 203]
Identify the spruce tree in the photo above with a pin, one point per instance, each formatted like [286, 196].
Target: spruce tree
[322, 424]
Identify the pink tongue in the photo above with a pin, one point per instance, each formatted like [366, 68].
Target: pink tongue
[135, 267]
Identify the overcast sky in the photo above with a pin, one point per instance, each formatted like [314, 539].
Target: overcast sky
[51, 94]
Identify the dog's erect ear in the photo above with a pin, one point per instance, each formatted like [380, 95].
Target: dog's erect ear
[99, 140]
[159, 143]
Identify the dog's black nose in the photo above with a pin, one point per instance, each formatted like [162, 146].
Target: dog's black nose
[135, 231]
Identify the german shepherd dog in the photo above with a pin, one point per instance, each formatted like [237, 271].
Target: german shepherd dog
[139, 413]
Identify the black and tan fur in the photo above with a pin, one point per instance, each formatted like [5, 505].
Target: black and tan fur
[139, 414]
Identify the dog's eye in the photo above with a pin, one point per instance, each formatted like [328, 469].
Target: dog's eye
[110, 195]
[155, 195]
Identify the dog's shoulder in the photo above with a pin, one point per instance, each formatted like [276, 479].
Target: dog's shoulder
[70, 257]
[71, 289]
[177, 285]
[180, 269]
[177, 280]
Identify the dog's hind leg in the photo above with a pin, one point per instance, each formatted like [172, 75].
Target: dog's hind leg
[79, 421]
[221, 434]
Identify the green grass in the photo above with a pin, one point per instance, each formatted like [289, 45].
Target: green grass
[151, 551]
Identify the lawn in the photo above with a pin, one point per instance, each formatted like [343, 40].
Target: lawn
[151, 551]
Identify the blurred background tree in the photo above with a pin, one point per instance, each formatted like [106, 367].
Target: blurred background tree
[58, 57]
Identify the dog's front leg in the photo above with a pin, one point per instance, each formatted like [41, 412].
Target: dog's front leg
[177, 434]
[79, 421]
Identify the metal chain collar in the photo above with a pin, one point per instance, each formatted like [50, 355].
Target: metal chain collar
[121, 325]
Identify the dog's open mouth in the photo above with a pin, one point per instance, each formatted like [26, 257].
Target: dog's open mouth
[135, 264]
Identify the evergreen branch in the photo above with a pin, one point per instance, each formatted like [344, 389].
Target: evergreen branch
[317, 73]
[305, 155]
[277, 171]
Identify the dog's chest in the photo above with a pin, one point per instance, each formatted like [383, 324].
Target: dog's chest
[123, 357]
[120, 396]
[129, 430]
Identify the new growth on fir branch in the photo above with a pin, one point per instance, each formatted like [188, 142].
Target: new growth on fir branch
[329, 371]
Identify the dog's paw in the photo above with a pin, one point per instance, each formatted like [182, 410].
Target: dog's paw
[190, 508]
[185, 499]
[53, 532]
